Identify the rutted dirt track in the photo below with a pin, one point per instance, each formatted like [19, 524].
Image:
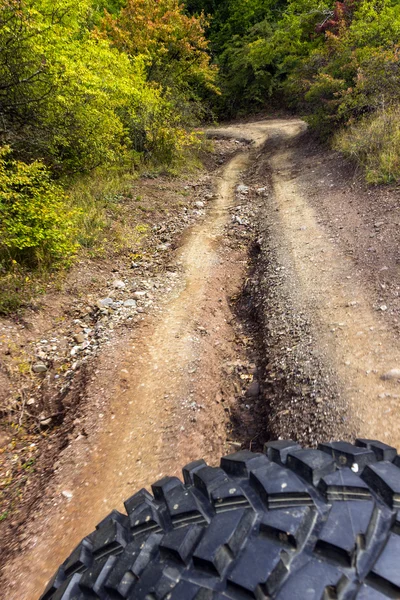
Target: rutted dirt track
[348, 329]
[167, 407]
[147, 433]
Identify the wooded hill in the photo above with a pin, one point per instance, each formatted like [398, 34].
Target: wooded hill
[338, 63]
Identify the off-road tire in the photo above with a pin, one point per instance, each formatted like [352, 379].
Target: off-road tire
[289, 524]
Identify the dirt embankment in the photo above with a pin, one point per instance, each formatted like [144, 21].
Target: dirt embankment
[275, 314]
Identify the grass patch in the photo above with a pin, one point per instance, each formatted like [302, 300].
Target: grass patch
[374, 142]
[98, 198]
[17, 288]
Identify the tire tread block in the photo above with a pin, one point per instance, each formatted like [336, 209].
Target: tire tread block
[229, 496]
[208, 479]
[290, 526]
[382, 451]
[180, 543]
[81, 558]
[69, 590]
[277, 451]
[93, 579]
[222, 540]
[157, 581]
[241, 463]
[384, 479]
[121, 579]
[147, 551]
[349, 455]
[387, 567]
[345, 530]
[280, 488]
[146, 517]
[311, 582]
[190, 469]
[256, 565]
[344, 484]
[109, 538]
[55, 582]
[182, 505]
[310, 465]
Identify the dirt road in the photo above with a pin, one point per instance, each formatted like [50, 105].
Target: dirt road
[173, 367]
[171, 392]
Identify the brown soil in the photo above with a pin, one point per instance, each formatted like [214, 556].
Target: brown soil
[329, 267]
[160, 393]
[182, 381]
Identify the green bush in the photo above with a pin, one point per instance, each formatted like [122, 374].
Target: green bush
[78, 99]
[37, 228]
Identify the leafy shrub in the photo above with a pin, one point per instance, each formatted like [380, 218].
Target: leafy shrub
[78, 97]
[323, 101]
[376, 86]
[36, 226]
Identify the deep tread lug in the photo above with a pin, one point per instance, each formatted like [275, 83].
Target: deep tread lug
[55, 582]
[310, 465]
[241, 463]
[110, 538]
[69, 590]
[121, 579]
[384, 479]
[344, 485]
[221, 541]
[382, 451]
[180, 543]
[147, 551]
[280, 488]
[251, 575]
[208, 479]
[116, 517]
[163, 487]
[156, 582]
[386, 568]
[183, 507]
[277, 451]
[345, 531]
[290, 527]
[312, 581]
[93, 580]
[141, 497]
[348, 455]
[189, 470]
[229, 496]
[145, 516]
[81, 558]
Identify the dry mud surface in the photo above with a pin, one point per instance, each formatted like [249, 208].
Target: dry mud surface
[282, 321]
